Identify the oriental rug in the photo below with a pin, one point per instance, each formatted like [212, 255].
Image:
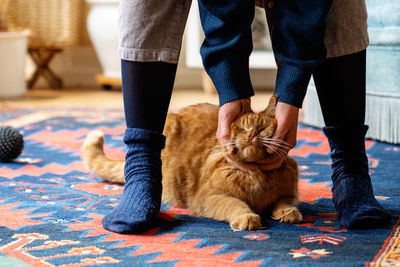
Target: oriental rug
[51, 207]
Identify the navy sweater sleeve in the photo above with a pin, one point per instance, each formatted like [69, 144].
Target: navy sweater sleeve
[227, 46]
[297, 35]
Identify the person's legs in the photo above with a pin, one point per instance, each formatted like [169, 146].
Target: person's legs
[147, 88]
[150, 41]
[340, 84]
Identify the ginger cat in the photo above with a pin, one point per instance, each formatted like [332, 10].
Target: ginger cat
[196, 174]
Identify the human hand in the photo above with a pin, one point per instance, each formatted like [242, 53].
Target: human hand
[226, 115]
[228, 112]
[285, 135]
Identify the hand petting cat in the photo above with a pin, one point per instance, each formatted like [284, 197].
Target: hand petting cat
[287, 119]
[226, 115]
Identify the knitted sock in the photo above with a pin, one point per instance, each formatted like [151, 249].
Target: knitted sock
[141, 198]
[353, 196]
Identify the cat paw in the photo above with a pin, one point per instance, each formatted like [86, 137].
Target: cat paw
[248, 221]
[287, 215]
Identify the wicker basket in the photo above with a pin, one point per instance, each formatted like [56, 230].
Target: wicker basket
[53, 23]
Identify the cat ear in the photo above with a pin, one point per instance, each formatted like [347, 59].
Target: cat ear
[246, 106]
[270, 110]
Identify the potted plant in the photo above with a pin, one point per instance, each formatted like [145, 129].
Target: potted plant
[13, 49]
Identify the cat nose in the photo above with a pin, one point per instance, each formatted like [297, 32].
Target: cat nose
[252, 136]
[253, 139]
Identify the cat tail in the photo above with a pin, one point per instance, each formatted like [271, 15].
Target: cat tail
[97, 162]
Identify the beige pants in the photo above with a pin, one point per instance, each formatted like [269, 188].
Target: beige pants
[152, 30]
[347, 28]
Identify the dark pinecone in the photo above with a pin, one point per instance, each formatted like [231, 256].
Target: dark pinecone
[11, 143]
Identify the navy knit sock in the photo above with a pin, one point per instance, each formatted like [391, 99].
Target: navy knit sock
[352, 190]
[141, 199]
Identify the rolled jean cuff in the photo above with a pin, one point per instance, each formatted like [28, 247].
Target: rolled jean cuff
[149, 55]
[291, 83]
[232, 81]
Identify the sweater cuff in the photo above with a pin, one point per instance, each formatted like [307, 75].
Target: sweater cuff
[291, 83]
[232, 81]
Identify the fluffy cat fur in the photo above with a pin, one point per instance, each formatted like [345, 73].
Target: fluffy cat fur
[196, 174]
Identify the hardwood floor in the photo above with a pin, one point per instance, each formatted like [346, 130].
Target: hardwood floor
[98, 98]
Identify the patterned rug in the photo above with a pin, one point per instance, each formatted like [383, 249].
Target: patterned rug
[51, 208]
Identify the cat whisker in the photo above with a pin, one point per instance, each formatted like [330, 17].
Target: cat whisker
[277, 149]
[274, 139]
[280, 152]
[240, 141]
[222, 146]
[271, 138]
[280, 141]
[234, 143]
[278, 144]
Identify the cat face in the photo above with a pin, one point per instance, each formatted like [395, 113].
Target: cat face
[252, 131]
[248, 134]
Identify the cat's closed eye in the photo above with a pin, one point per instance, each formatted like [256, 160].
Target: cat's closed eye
[267, 131]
